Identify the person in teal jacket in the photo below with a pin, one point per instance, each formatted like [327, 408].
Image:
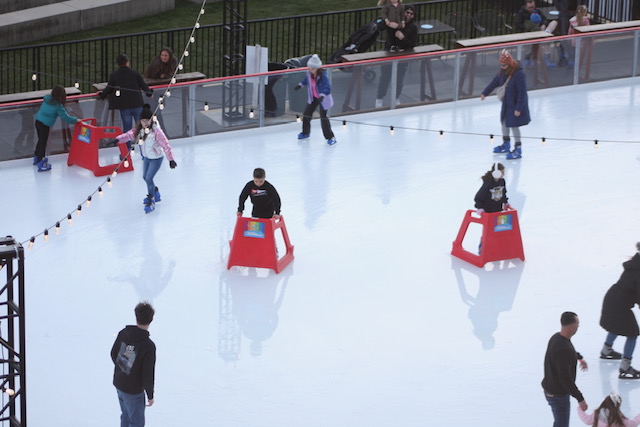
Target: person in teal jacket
[52, 107]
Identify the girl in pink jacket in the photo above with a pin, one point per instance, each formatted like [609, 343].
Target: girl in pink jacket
[609, 414]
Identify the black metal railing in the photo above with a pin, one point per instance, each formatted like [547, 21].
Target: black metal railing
[91, 61]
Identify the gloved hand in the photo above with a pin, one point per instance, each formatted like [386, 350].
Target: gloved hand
[172, 164]
[480, 211]
[507, 207]
[297, 87]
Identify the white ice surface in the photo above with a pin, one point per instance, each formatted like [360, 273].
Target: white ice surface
[374, 323]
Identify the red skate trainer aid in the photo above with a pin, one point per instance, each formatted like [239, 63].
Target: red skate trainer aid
[85, 145]
[500, 240]
[254, 244]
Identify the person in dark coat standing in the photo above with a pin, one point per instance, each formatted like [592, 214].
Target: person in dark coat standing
[124, 91]
[618, 319]
[515, 103]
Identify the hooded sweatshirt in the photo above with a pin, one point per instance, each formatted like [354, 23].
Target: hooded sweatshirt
[134, 356]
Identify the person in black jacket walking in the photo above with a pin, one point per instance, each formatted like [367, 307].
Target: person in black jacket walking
[618, 319]
[134, 356]
[124, 91]
[559, 380]
[265, 198]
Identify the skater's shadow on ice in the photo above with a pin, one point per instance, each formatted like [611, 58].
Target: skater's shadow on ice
[249, 302]
[497, 284]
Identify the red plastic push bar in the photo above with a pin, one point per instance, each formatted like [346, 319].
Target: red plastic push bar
[500, 240]
[254, 244]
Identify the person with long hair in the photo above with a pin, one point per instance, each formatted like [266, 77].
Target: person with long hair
[52, 107]
[515, 103]
[153, 147]
[163, 66]
[318, 95]
[608, 414]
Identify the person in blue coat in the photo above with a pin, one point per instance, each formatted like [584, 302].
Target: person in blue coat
[319, 95]
[515, 103]
[52, 107]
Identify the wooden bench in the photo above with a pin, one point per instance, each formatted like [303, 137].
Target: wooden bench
[469, 66]
[36, 94]
[605, 27]
[180, 78]
[357, 74]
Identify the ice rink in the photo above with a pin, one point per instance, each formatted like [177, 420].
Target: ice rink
[374, 324]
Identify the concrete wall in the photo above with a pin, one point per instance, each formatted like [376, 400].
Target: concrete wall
[41, 22]
[7, 6]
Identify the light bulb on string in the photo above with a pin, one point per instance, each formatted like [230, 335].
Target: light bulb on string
[173, 80]
[206, 106]
[186, 53]
[114, 173]
[180, 67]
[32, 241]
[544, 141]
[441, 134]
[76, 84]
[46, 235]
[168, 93]
[251, 115]
[160, 100]
[161, 106]
[298, 118]
[391, 131]
[109, 183]
[197, 25]
[344, 124]
[88, 202]
[100, 192]
[133, 149]
[146, 131]
[78, 210]
[69, 219]
[34, 77]
[202, 11]
[9, 391]
[140, 141]
[117, 92]
[126, 163]
[595, 143]
[192, 39]
[58, 227]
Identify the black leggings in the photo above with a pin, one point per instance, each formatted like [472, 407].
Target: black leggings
[324, 121]
[43, 136]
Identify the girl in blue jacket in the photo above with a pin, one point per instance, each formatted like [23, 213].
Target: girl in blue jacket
[52, 107]
[319, 94]
[515, 104]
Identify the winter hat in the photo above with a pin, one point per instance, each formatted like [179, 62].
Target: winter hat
[506, 58]
[314, 62]
[535, 18]
[146, 112]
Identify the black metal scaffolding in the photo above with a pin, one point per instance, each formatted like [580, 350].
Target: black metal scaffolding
[12, 336]
[234, 40]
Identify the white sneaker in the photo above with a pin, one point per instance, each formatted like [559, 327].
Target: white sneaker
[378, 103]
[397, 102]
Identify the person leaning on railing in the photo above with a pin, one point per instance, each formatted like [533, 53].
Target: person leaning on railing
[163, 66]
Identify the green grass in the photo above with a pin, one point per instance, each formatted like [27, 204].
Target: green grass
[185, 13]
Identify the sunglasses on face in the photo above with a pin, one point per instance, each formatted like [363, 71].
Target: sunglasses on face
[408, 12]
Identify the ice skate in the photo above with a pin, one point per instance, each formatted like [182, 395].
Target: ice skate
[43, 165]
[149, 205]
[331, 141]
[504, 148]
[303, 135]
[515, 154]
[609, 353]
[156, 196]
[627, 372]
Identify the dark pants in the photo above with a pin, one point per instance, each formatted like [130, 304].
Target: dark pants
[385, 78]
[43, 136]
[324, 121]
[561, 409]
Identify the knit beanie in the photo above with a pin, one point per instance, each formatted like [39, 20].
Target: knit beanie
[314, 62]
[146, 112]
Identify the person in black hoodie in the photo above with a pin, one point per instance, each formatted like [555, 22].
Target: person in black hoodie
[265, 198]
[134, 356]
[617, 317]
[123, 90]
[492, 196]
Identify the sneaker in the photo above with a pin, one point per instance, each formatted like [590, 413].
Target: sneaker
[303, 135]
[504, 148]
[629, 374]
[515, 154]
[378, 103]
[397, 102]
[393, 49]
[332, 141]
[43, 165]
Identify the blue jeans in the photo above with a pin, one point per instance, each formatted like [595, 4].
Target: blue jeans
[129, 116]
[132, 407]
[150, 168]
[629, 345]
[561, 409]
